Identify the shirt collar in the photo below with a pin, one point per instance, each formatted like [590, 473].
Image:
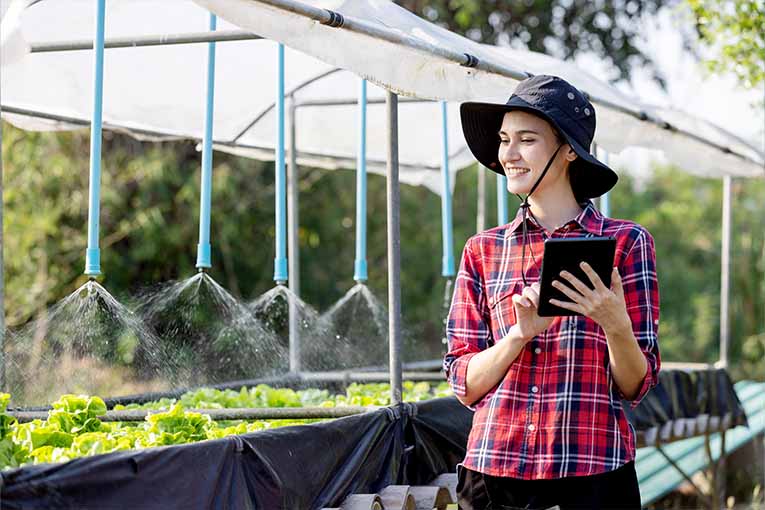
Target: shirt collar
[589, 219]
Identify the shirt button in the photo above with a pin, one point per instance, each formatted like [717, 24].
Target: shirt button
[538, 350]
[532, 428]
[534, 389]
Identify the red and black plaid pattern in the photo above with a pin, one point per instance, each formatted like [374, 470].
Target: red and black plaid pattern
[558, 411]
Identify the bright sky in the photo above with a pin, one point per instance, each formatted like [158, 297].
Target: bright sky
[690, 87]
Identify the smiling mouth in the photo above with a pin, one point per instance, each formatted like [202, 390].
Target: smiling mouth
[513, 172]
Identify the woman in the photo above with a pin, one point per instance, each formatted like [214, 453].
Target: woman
[549, 427]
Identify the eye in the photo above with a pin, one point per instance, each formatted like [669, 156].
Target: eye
[527, 140]
[503, 140]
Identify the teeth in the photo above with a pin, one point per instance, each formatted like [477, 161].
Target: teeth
[517, 172]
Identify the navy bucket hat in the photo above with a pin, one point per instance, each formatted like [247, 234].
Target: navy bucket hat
[561, 104]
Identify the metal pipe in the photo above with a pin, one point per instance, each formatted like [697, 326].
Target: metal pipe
[725, 273]
[256, 413]
[377, 31]
[273, 105]
[394, 249]
[447, 263]
[480, 216]
[501, 199]
[146, 40]
[602, 201]
[605, 202]
[374, 30]
[280, 262]
[93, 254]
[360, 264]
[2, 266]
[351, 101]
[685, 475]
[294, 246]
[205, 198]
[326, 17]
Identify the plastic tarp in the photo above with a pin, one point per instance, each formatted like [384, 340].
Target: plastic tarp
[308, 466]
[13, 47]
[414, 57]
[158, 92]
[687, 403]
[319, 465]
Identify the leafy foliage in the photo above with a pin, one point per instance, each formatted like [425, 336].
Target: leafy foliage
[736, 32]
[74, 430]
[562, 28]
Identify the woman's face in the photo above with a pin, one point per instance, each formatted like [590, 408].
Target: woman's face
[527, 143]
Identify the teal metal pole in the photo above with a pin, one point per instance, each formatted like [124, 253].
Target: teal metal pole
[447, 263]
[360, 265]
[203, 248]
[280, 262]
[501, 199]
[93, 254]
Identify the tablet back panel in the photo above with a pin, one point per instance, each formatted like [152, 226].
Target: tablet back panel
[567, 253]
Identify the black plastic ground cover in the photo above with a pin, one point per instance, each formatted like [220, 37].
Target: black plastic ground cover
[316, 465]
[688, 395]
[298, 467]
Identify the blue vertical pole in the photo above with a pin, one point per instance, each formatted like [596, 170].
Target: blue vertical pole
[447, 263]
[203, 248]
[93, 254]
[280, 262]
[501, 199]
[360, 265]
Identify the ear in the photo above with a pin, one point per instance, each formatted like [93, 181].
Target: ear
[570, 154]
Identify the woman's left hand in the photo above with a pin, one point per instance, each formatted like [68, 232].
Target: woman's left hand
[605, 306]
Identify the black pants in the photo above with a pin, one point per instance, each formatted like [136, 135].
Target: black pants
[616, 489]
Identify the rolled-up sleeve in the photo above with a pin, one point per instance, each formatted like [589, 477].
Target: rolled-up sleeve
[641, 294]
[467, 329]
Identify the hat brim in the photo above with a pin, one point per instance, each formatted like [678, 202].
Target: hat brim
[481, 123]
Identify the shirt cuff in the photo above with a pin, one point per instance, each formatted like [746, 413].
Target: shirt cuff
[645, 386]
[457, 376]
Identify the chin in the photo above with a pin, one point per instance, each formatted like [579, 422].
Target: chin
[515, 188]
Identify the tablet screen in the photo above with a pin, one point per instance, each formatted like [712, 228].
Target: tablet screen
[566, 254]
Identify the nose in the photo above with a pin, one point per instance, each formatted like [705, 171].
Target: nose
[508, 152]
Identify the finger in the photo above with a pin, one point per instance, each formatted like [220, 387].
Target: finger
[517, 298]
[568, 306]
[593, 276]
[532, 295]
[616, 281]
[568, 291]
[576, 283]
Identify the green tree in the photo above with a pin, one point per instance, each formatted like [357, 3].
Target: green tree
[736, 33]
[561, 28]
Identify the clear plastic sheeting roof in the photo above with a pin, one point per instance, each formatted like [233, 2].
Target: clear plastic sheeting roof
[13, 47]
[392, 47]
[158, 92]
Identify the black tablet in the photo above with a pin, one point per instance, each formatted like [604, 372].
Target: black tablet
[566, 254]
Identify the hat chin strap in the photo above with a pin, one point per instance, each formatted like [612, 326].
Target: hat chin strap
[525, 206]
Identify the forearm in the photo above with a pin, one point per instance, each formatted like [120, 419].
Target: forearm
[628, 364]
[489, 366]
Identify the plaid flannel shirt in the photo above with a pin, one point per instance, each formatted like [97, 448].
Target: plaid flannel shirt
[557, 412]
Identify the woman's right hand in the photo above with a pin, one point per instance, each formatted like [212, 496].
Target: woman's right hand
[526, 304]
